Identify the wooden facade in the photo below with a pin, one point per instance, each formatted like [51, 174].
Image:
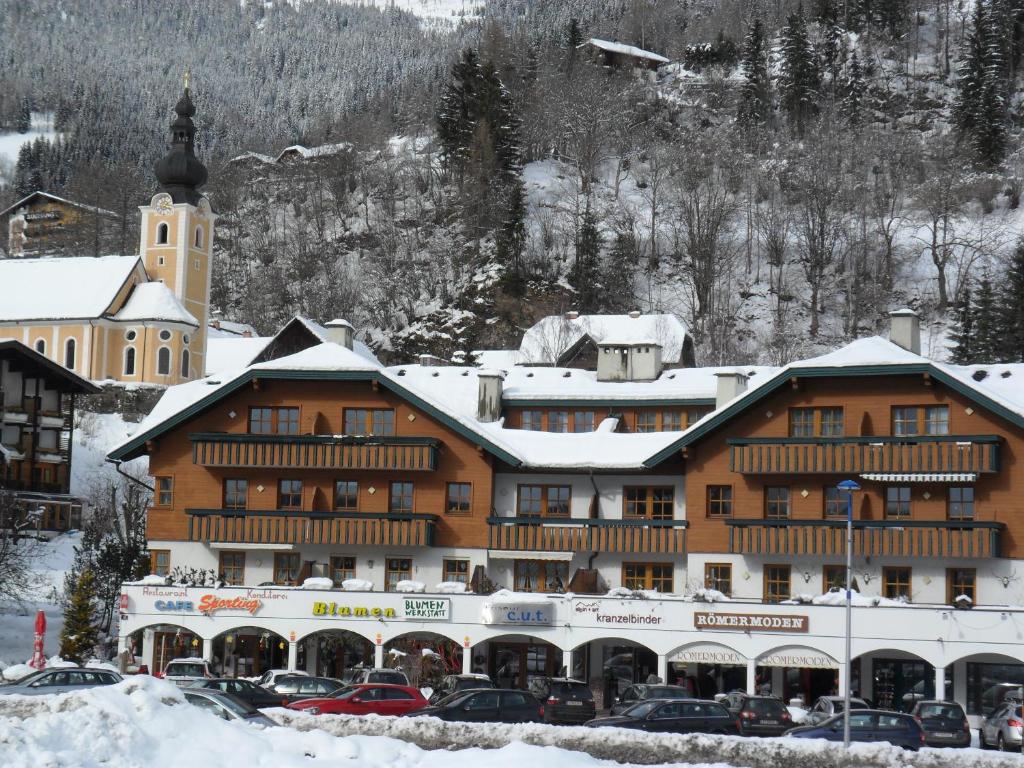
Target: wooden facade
[588, 535]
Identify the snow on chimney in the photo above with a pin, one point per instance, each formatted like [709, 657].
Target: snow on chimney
[489, 386]
[340, 332]
[905, 330]
[730, 384]
[572, 315]
[635, 313]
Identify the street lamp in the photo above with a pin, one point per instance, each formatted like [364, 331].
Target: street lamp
[848, 486]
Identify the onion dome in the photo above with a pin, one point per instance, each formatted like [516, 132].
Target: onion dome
[180, 172]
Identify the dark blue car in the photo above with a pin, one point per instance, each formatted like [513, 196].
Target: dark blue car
[870, 725]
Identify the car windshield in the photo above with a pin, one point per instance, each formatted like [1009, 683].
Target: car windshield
[571, 689]
[344, 693]
[237, 706]
[946, 711]
[643, 709]
[184, 669]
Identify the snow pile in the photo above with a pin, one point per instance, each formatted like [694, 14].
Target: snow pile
[318, 582]
[451, 588]
[357, 585]
[838, 597]
[150, 580]
[17, 671]
[706, 595]
[408, 585]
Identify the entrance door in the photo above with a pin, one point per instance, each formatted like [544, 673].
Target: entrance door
[515, 665]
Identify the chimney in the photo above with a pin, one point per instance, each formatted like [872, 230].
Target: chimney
[215, 324]
[730, 384]
[572, 315]
[489, 385]
[340, 332]
[247, 334]
[905, 330]
[634, 313]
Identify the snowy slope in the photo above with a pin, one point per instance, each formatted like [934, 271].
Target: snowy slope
[433, 12]
[10, 143]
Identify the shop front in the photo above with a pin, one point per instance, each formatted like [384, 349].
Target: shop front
[248, 652]
[707, 669]
[798, 672]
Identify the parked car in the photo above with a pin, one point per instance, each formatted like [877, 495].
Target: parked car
[1002, 728]
[759, 715]
[60, 680]
[497, 705]
[360, 675]
[944, 723]
[240, 688]
[226, 706]
[827, 706]
[271, 676]
[454, 683]
[367, 699]
[565, 700]
[299, 687]
[995, 695]
[672, 716]
[869, 725]
[184, 672]
[644, 691]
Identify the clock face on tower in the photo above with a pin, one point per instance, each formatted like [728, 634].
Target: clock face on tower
[163, 204]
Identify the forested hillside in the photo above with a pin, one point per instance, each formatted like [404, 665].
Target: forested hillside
[793, 173]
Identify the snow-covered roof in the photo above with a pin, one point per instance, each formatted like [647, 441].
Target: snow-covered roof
[626, 50]
[82, 206]
[227, 352]
[62, 289]
[500, 359]
[216, 328]
[324, 150]
[553, 335]
[155, 301]
[324, 335]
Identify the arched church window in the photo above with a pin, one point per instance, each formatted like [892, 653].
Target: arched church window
[161, 233]
[163, 361]
[69, 353]
[184, 363]
[129, 361]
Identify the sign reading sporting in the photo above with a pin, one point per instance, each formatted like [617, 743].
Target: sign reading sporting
[752, 622]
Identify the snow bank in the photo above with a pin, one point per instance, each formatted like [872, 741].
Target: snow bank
[17, 671]
[408, 585]
[451, 588]
[150, 580]
[357, 585]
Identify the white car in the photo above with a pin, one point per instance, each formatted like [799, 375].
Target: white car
[183, 672]
[60, 680]
[271, 676]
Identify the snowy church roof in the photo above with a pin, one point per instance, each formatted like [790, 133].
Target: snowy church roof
[546, 342]
[155, 302]
[62, 289]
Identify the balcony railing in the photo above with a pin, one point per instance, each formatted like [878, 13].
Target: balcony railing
[842, 455]
[587, 535]
[287, 527]
[894, 538]
[315, 451]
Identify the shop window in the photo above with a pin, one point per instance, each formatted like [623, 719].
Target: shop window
[558, 421]
[835, 502]
[646, 422]
[655, 576]
[164, 491]
[671, 421]
[583, 421]
[129, 361]
[777, 579]
[654, 503]
[273, 421]
[286, 568]
[69, 354]
[719, 501]
[401, 499]
[532, 421]
[833, 577]
[960, 581]
[369, 421]
[988, 685]
[346, 495]
[232, 567]
[236, 493]
[396, 569]
[160, 561]
[458, 498]
[718, 576]
[961, 503]
[342, 567]
[776, 502]
[163, 361]
[289, 494]
[455, 570]
[896, 583]
[541, 575]
[544, 500]
[897, 502]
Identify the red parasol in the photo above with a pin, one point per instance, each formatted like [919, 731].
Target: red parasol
[38, 659]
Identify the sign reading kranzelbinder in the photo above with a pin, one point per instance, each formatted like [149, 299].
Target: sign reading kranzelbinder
[751, 622]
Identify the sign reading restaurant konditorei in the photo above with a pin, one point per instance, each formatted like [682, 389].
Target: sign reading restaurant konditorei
[414, 608]
[751, 622]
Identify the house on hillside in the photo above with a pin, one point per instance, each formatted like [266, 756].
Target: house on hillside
[41, 224]
[615, 55]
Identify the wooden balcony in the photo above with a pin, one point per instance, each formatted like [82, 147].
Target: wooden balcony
[893, 538]
[315, 451]
[587, 535]
[922, 454]
[287, 527]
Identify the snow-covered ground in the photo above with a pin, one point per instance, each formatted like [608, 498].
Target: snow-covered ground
[433, 12]
[10, 143]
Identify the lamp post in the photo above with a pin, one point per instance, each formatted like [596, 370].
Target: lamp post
[848, 486]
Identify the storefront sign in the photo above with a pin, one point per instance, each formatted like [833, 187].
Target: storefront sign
[515, 612]
[751, 622]
[428, 608]
[798, 659]
[708, 653]
[209, 604]
[175, 606]
[43, 216]
[353, 611]
[606, 612]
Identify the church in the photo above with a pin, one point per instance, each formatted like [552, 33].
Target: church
[138, 319]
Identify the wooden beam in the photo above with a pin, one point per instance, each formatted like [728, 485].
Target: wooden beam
[794, 382]
[375, 385]
[256, 384]
[927, 379]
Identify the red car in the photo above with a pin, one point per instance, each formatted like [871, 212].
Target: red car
[365, 699]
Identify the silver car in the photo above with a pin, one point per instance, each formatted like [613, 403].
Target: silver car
[1002, 728]
[827, 706]
[60, 680]
[226, 706]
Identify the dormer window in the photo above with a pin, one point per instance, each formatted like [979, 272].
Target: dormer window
[162, 231]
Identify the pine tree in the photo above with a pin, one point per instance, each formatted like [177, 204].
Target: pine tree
[1011, 314]
[799, 80]
[964, 334]
[987, 342]
[755, 93]
[573, 40]
[979, 110]
[833, 46]
[455, 116]
[79, 635]
[853, 93]
[588, 252]
[24, 122]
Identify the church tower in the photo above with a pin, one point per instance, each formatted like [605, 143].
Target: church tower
[177, 231]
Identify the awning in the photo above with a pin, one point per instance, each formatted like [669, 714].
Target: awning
[921, 477]
[518, 554]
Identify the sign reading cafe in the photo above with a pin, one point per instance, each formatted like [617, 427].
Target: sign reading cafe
[751, 622]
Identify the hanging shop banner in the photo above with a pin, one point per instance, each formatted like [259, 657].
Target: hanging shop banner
[511, 611]
[427, 608]
[798, 658]
[708, 653]
[751, 622]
